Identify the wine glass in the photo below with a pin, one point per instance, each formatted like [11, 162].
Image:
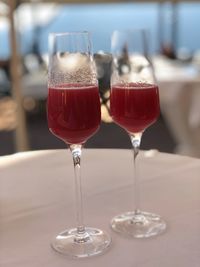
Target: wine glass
[74, 116]
[134, 105]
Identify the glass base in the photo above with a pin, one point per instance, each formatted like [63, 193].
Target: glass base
[138, 224]
[92, 242]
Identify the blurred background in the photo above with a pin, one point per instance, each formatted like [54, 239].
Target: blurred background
[174, 47]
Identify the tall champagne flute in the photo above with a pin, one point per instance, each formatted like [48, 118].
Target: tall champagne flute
[74, 116]
[134, 104]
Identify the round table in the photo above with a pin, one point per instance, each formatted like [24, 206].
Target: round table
[37, 202]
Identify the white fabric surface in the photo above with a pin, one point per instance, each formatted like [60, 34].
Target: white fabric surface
[37, 202]
[179, 98]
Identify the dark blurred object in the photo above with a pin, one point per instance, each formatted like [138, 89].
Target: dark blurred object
[182, 54]
[168, 51]
[168, 19]
[103, 63]
[4, 77]
[35, 46]
[5, 66]
[123, 63]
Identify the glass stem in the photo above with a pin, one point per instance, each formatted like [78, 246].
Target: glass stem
[136, 140]
[76, 154]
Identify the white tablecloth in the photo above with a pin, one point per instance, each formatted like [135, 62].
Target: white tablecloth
[37, 202]
[179, 98]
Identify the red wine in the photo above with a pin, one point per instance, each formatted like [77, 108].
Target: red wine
[135, 106]
[74, 112]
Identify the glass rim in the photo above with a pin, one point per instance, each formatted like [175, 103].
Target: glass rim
[57, 34]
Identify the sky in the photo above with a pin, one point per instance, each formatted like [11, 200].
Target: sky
[101, 20]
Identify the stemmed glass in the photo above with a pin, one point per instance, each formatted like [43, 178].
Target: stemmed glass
[74, 116]
[134, 105]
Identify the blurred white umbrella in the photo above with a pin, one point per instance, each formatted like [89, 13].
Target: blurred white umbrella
[34, 13]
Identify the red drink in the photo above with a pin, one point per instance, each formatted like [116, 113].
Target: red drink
[74, 112]
[135, 106]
